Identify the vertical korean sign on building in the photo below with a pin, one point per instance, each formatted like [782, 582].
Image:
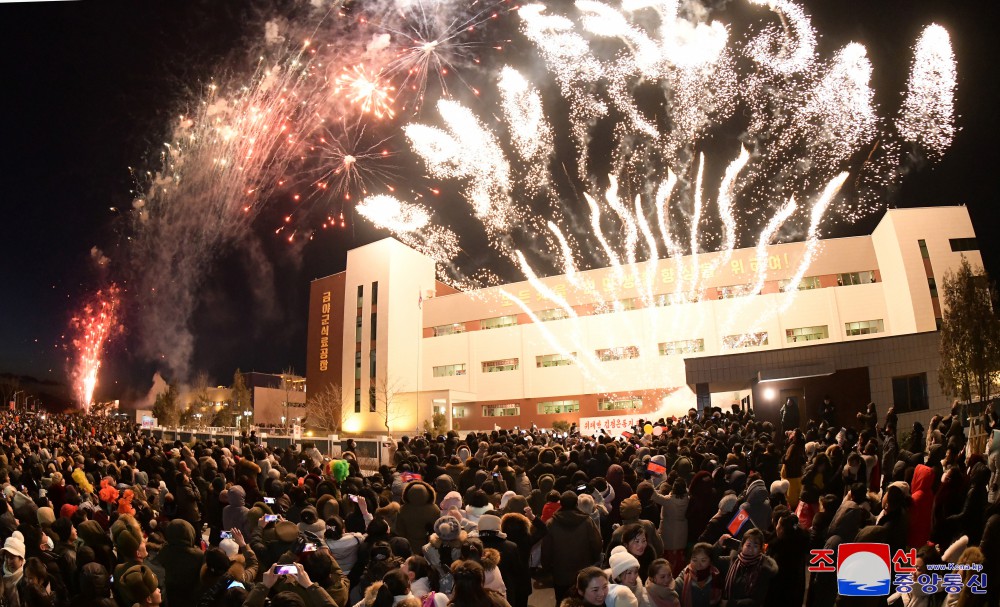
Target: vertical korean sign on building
[324, 331]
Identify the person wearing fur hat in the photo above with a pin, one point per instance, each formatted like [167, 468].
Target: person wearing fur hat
[443, 548]
[571, 543]
[181, 559]
[95, 588]
[140, 587]
[232, 561]
[310, 523]
[418, 513]
[130, 546]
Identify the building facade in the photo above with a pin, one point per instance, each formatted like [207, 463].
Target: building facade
[853, 318]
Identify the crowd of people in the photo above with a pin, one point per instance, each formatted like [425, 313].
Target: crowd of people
[712, 509]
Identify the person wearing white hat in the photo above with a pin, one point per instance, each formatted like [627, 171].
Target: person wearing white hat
[13, 566]
[624, 570]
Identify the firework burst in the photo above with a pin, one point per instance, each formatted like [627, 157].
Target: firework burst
[93, 327]
[368, 91]
[350, 160]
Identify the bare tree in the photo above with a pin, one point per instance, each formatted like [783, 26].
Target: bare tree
[970, 334]
[387, 403]
[9, 386]
[324, 409]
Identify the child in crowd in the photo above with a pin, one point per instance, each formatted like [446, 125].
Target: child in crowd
[660, 585]
[699, 584]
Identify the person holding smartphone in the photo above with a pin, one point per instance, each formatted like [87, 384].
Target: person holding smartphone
[316, 596]
[232, 561]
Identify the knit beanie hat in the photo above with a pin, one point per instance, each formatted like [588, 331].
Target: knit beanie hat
[14, 545]
[780, 486]
[230, 547]
[727, 504]
[138, 583]
[621, 561]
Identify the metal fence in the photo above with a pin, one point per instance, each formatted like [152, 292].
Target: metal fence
[370, 452]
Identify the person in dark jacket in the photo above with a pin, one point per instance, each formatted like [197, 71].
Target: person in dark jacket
[181, 560]
[95, 588]
[571, 544]
[790, 551]
[512, 568]
[790, 415]
[747, 572]
[187, 497]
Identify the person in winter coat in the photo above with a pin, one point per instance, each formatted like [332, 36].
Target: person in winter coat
[187, 497]
[747, 572]
[758, 505]
[417, 514]
[423, 581]
[922, 496]
[616, 480]
[790, 415]
[525, 533]
[792, 465]
[719, 522]
[971, 520]
[623, 569]
[514, 571]
[673, 522]
[572, 543]
[95, 588]
[316, 595]
[701, 503]
[234, 515]
[181, 560]
[790, 550]
[631, 511]
[699, 583]
[593, 589]
[444, 548]
[232, 561]
[343, 546]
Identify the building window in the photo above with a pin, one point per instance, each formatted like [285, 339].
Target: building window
[963, 244]
[807, 334]
[361, 295]
[374, 294]
[451, 329]
[357, 365]
[683, 346]
[555, 360]
[374, 326]
[807, 283]
[933, 286]
[449, 370]
[735, 291]
[459, 412]
[504, 410]
[372, 402]
[864, 327]
[670, 299]
[371, 364]
[618, 404]
[620, 353]
[357, 400]
[923, 249]
[558, 406]
[552, 314]
[745, 340]
[498, 322]
[495, 366]
[855, 278]
[909, 392]
[357, 330]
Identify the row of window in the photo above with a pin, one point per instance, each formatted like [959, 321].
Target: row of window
[557, 406]
[372, 355]
[684, 346]
[662, 300]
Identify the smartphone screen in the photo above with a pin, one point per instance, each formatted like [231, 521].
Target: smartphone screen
[353, 498]
[582, 488]
[285, 569]
[268, 500]
[236, 584]
[226, 535]
[309, 548]
[270, 518]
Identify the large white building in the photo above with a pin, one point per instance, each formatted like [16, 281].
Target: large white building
[648, 340]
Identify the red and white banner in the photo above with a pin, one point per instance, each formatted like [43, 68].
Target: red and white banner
[612, 424]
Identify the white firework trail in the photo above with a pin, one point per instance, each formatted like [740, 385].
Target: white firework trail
[927, 116]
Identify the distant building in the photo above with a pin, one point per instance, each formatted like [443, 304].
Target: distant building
[268, 395]
[861, 326]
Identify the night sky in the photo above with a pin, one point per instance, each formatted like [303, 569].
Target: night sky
[90, 89]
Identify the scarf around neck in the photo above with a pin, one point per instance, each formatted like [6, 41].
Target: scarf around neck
[748, 567]
[661, 596]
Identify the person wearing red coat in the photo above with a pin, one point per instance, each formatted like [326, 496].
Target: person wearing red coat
[922, 492]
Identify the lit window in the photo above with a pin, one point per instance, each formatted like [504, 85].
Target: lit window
[558, 406]
[807, 283]
[552, 314]
[451, 329]
[619, 404]
[856, 278]
[449, 370]
[361, 296]
[671, 299]
[745, 340]
[864, 327]
[684, 346]
[458, 412]
[735, 291]
[504, 410]
[807, 334]
[555, 360]
[498, 323]
[495, 366]
[620, 353]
